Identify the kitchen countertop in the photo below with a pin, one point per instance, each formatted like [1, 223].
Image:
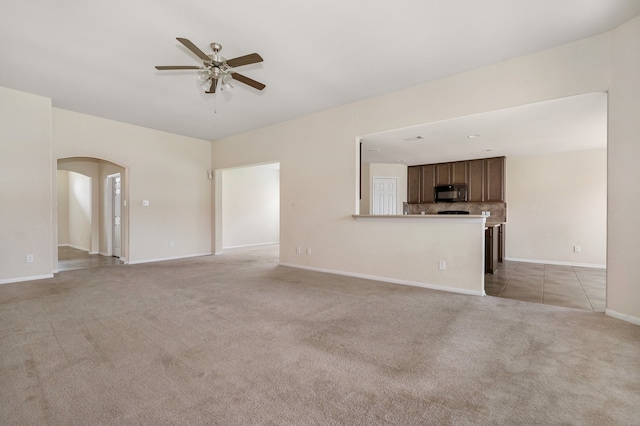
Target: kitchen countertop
[431, 216]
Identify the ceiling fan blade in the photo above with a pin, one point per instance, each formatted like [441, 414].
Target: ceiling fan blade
[177, 67]
[244, 60]
[192, 47]
[246, 80]
[214, 83]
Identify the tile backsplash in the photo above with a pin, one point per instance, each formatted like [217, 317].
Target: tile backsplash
[498, 210]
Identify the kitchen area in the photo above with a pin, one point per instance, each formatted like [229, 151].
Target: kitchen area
[470, 187]
[553, 250]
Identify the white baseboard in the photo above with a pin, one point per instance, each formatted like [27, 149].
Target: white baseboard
[250, 245]
[623, 317]
[21, 279]
[555, 262]
[388, 280]
[162, 259]
[76, 247]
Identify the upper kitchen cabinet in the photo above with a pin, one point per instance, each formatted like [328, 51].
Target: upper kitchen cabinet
[484, 179]
[420, 183]
[476, 186]
[450, 173]
[413, 184]
[494, 179]
[427, 182]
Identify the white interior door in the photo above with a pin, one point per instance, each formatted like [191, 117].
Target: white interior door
[385, 195]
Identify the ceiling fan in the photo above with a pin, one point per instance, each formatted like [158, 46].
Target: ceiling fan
[216, 68]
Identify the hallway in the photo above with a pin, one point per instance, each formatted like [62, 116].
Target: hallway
[70, 259]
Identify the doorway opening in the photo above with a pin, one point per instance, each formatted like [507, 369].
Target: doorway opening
[248, 208]
[91, 215]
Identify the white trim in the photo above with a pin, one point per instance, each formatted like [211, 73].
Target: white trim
[623, 317]
[75, 247]
[388, 280]
[250, 245]
[433, 218]
[162, 259]
[17, 280]
[555, 262]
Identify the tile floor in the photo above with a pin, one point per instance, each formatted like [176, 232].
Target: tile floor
[70, 258]
[569, 286]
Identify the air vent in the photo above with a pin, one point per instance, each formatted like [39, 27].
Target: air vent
[414, 138]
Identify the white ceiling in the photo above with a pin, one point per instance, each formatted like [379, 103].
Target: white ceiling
[98, 58]
[568, 124]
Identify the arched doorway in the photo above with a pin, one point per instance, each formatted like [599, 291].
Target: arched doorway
[92, 223]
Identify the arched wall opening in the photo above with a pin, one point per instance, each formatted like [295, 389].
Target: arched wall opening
[85, 209]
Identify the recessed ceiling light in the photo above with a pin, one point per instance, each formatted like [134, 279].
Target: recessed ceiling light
[414, 138]
[374, 150]
[487, 150]
[473, 136]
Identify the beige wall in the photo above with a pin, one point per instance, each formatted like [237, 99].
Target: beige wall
[251, 206]
[62, 201]
[168, 170]
[623, 272]
[79, 210]
[26, 192]
[555, 202]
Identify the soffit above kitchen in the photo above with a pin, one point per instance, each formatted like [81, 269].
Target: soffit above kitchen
[573, 123]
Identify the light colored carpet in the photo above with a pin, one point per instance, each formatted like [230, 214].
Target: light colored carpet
[237, 340]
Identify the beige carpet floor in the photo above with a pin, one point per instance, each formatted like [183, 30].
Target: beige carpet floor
[238, 340]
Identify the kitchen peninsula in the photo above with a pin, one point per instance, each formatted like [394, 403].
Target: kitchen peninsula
[442, 252]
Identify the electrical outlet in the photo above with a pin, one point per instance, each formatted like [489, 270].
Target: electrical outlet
[576, 249]
[442, 265]
[298, 250]
[145, 203]
[309, 251]
[30, 258]
[171, 245]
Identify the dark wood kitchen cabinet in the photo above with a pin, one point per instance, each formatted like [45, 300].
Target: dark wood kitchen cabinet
[427, 182]
[491, 249]
[494, 179]
[459, 172]
[450, 173]
[443, 174]
[413, 184]
[475, 187]
[420, 183]
[484, 178]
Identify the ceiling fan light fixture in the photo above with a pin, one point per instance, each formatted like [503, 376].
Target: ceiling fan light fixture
[204, 75]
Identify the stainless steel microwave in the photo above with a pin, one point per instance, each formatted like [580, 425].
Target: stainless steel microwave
[451, 193]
